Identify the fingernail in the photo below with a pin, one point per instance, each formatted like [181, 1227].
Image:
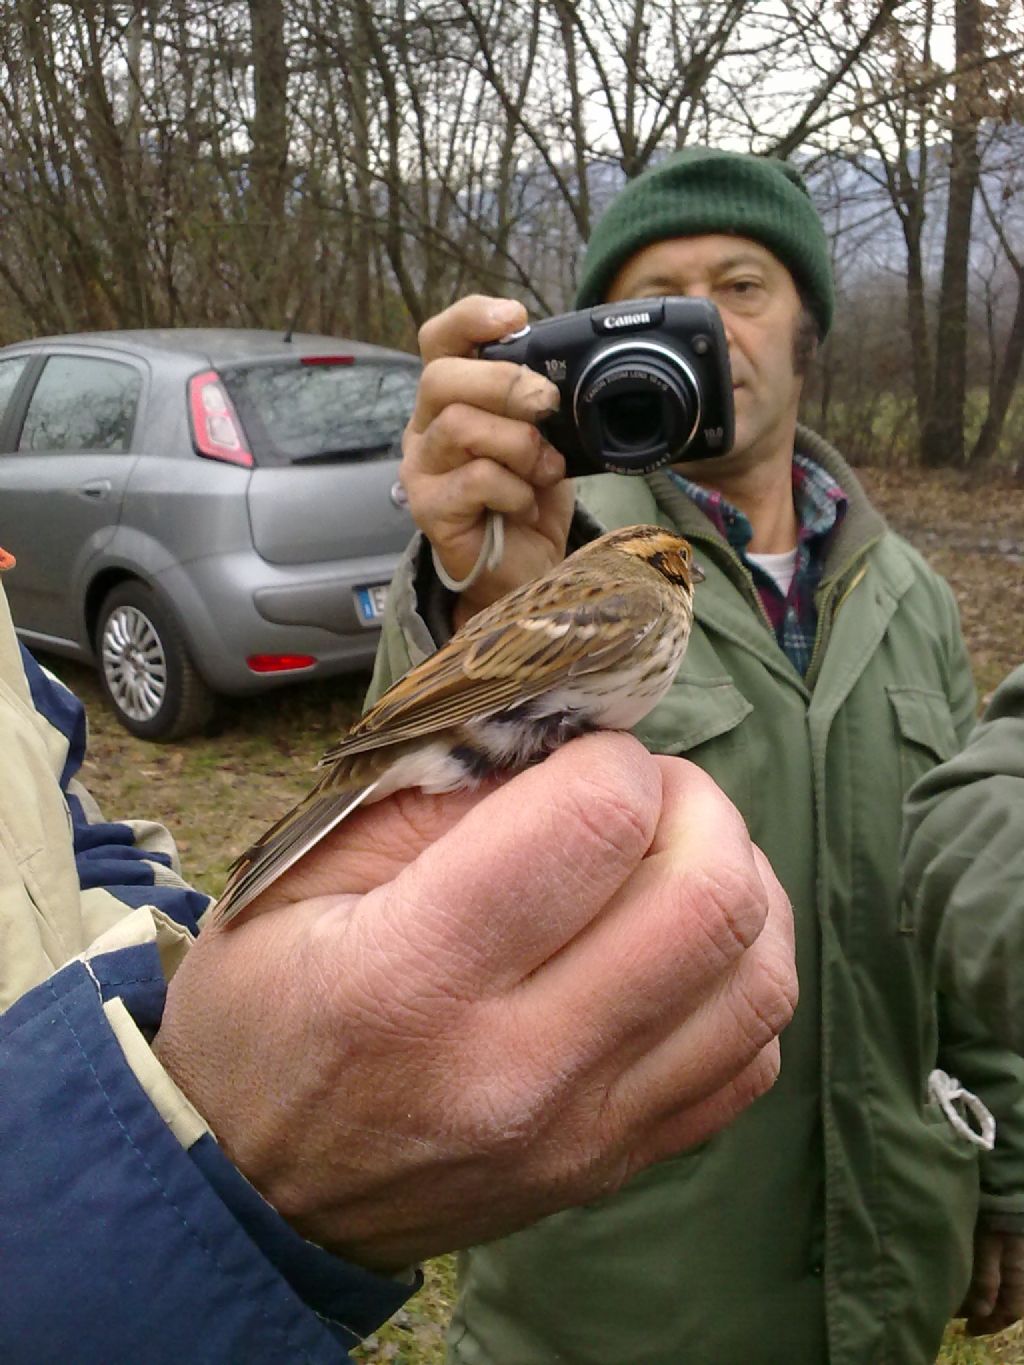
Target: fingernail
[551, 465]
[548, 402]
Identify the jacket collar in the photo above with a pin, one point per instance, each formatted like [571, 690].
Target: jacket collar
[860, 528]
[862, 525]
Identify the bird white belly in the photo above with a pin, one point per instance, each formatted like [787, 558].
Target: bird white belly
[434, 768]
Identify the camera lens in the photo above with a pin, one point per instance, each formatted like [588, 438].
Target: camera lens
[637, 406]
[632, 420]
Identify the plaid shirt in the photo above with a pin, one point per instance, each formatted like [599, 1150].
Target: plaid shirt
[820, 504]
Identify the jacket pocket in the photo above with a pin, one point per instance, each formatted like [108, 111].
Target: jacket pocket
[925, 728]
[926, 736]
[701, 719]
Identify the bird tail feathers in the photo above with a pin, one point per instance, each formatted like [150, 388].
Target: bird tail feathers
[283, 845]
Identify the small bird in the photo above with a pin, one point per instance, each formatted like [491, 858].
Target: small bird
[593, 644]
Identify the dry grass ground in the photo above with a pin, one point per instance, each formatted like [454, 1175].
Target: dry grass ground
[218, 791]
[973, 533]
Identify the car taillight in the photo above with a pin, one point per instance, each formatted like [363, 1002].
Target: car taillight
[327, 360]
[216, 429]
[279, 663]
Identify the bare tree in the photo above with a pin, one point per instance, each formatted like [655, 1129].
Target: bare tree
[920, 135]
[354, 166]
[942, 433]
[1006, 343]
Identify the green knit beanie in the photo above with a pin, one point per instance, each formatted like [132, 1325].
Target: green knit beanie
[700, 190]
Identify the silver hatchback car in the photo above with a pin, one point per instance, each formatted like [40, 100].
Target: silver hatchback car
[201, 511]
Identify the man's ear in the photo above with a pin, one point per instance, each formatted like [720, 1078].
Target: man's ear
[806, 341]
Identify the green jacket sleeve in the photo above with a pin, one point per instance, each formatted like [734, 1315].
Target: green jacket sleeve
[968, 1048]
[964, 867]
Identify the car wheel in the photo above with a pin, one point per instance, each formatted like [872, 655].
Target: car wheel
[145, 670]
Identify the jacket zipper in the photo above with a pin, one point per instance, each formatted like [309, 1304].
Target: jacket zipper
[738, 571]
[828, 610]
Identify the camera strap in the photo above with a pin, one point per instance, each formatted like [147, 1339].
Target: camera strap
[492, 549]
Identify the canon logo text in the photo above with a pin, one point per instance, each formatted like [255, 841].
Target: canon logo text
[627, 320]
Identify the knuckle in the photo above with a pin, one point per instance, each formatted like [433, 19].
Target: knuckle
[761, 1075]
[420, 490]
[750, 1012]
[426, 335]
[522, 448]
[607, 818]
[476, 478]
[769, 1000]
[531, 443]
[449, 425]
[448, 441]
[776, 981]
[732, 908]
[439, 384]
[474, 306]
[410, 469]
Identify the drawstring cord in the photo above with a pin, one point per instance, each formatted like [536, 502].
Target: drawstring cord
[947, 1092]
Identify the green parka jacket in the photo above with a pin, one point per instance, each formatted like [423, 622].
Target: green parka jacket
[833, 1221]
[964, 870]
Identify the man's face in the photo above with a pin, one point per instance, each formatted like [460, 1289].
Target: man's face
[760, 309]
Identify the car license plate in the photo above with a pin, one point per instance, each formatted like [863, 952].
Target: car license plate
[371, 601]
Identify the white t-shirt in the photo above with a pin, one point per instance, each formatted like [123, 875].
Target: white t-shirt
[780, 567]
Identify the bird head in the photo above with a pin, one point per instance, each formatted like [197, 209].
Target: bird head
[663, 550]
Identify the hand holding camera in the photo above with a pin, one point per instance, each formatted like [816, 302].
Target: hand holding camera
[492, 432]
[473, 445]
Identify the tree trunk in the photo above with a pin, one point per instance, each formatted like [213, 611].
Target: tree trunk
[917, 326]
[1005, 384]
[358, 259]
[268, 161]
[942, 436]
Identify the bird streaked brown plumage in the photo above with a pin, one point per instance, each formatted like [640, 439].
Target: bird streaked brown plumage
[593, 644]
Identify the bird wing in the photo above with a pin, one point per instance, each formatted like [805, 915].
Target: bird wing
[503, 658]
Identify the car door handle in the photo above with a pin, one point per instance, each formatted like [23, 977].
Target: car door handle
[97, 489]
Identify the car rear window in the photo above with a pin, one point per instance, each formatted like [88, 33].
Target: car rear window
[295, 411]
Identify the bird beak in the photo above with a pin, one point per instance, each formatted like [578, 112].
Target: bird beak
[696, 573]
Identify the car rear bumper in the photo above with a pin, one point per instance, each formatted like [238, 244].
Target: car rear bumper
[234, 606]
[316, 601]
